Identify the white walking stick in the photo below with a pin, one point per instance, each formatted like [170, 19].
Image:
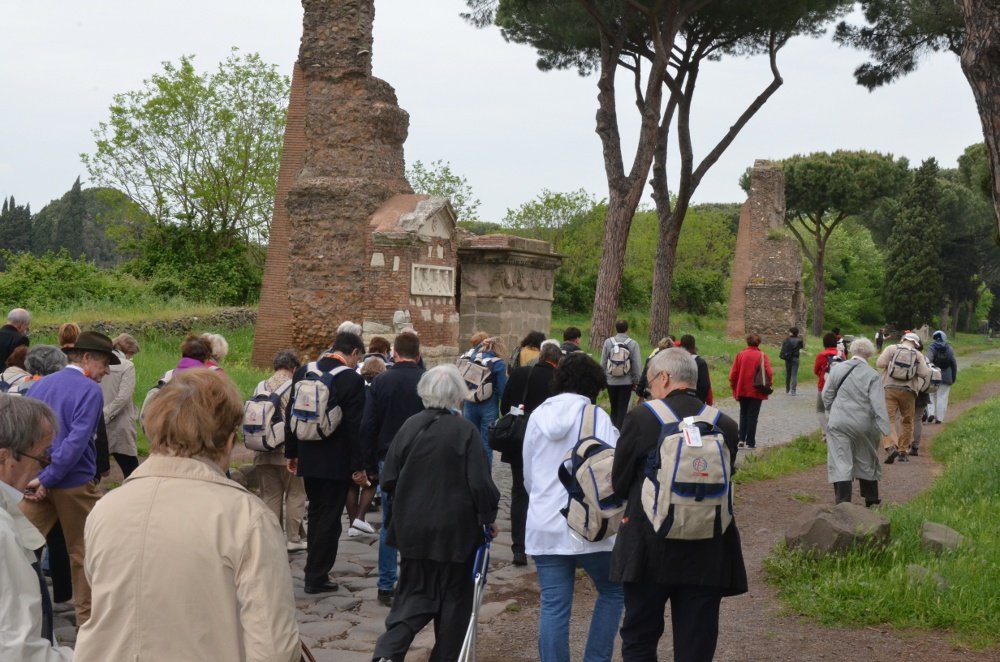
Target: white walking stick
[479, 570]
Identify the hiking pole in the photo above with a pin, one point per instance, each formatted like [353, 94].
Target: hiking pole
[479, 570]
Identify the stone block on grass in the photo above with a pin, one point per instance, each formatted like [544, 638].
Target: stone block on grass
[939, 538]
[838, 529]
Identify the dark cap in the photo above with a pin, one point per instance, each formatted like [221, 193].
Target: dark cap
[92, 341]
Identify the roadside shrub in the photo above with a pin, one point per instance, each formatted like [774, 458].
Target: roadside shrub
[56, 280]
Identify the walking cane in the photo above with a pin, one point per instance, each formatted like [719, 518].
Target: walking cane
[479, 570]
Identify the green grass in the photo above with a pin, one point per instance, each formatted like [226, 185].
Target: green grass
[970, 343]
[154, 310]
[870, 587]
[801, 453]
[971, 379]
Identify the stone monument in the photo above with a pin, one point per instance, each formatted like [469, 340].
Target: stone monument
[767, 297]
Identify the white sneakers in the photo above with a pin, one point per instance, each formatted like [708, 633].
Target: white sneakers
[360, 527]
[295, 546]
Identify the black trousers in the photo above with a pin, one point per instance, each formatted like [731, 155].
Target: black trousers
[694, 618]
[127, 463]
[327, 499]
[428, 590]
[620, 397]
[518, 506]
[749, 413]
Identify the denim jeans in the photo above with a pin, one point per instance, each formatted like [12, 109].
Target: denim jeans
[556, 576]
[386, 554]
[791, 375]
[482, 415]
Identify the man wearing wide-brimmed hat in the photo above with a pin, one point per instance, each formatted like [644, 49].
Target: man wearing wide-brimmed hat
[66, 489]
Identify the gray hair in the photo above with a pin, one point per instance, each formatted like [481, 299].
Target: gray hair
[442, 387]
[218, 345]
[551, 351]
[676, 362]
[21, 423]
[862, 347]
[349, 327]
[19, 316]
[286, 359]
[45, 360]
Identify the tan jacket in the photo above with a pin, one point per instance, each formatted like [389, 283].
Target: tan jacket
[186, 565]
[918, 383]
[118, 387]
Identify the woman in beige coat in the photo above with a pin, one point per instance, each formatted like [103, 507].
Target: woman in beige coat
[185, 564]
[120, 413]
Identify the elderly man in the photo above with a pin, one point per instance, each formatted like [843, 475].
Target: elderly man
[694, 575]
[906, 373]
[26, 430]
[66, 490]
[13, 334]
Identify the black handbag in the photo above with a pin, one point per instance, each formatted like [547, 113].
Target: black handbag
[507, 432]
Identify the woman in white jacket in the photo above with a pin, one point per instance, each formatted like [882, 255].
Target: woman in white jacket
[552, 433]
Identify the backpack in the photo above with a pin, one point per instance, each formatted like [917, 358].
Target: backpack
[477, 371]
[619, 360]
[315, 414]
[903, 366]
[941, 359]
[832, 360]
[263, 420]
[934, 383]
[592, 509]
[6, 387]
[688, 491]
[151, 395]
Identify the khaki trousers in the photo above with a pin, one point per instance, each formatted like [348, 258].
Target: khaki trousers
[280, 486]
[903, 402]
[70, 507]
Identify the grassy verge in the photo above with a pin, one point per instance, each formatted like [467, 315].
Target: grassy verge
[103, 312]
[801, 453]
[871, 587]
[972, 379]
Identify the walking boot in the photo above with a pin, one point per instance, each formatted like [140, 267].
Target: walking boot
[869, 492]
[842, 491]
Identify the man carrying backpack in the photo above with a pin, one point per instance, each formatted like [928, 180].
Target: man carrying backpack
[943, 357]
[622, 363]
[693, 574]
[323, 446]
[906, 373]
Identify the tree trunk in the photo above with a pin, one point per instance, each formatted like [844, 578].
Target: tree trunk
[819, 289]
[609, 275]
[663, 274]
[981, 64]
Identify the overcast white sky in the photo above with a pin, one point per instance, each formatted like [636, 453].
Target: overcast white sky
[473, 99]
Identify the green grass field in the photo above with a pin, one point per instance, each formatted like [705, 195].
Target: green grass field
[871, 587]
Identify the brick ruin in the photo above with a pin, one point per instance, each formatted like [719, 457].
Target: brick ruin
[349, 238]
[767, 295]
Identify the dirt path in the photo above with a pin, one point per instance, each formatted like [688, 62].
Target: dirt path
[753, 625]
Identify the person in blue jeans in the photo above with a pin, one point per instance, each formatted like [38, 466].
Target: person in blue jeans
[484, 414]
[552, 432]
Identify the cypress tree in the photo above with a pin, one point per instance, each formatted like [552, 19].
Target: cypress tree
[913, 292]
[69, 227]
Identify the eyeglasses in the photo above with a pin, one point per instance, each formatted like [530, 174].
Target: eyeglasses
[42, 461]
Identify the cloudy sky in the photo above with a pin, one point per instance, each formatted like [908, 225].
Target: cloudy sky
[473, 99]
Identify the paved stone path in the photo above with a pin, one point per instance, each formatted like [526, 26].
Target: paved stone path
[343, 626]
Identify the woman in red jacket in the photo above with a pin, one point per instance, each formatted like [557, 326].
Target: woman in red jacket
[741, 379]
[821, 368]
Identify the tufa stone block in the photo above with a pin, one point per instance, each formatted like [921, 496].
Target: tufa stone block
[837, 529]
[939, 538]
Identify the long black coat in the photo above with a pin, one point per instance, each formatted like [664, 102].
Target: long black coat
[539, 390]
[441, 488]
[642, 556]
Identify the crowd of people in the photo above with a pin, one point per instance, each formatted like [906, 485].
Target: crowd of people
[179, 547]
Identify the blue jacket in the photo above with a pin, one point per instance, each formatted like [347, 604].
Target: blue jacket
[78, 404]
[943, 356]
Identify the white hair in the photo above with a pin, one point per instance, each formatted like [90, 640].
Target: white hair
[676, 362]
[862, 347]
[442, 387]
[19, 316]
[218, 345]
[549, 341]
[350, 327]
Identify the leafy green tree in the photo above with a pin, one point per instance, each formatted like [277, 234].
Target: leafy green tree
[439, 179]
[854, 275]
[822, 190]
[547, 216]
[913, 292]
[898, 34]
[199, 150]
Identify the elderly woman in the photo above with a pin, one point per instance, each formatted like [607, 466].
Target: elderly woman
[854, 398]
[119, 409]
[553, 431]
[186, 564]
[280, 488]
[195, 353]
[442, 498]
[14, 372]
[218, 349]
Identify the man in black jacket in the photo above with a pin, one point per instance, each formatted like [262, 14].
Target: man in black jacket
[693, 575]
[529, 386]
[392, 398]
[13, 333]
[704, 386]
[328, 466]
[572, 337]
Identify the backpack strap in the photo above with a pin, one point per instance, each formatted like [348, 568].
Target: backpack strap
[167, 376]
[588, 423]
[662, 411]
